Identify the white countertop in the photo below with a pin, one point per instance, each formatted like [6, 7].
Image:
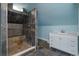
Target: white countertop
[74, 34]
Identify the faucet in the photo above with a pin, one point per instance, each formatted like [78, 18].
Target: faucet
[62, 31]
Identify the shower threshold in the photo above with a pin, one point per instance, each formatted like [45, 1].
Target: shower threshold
[24, 51]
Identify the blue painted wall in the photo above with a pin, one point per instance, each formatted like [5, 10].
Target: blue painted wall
[78, 17]
[57, 14]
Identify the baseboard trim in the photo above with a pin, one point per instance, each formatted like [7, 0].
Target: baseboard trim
[25, 51]
[44, 39]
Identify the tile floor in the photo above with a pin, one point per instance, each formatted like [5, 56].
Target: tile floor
[47, 52]
[44, 50]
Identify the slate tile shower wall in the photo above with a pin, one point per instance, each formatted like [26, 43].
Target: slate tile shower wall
[14, 29]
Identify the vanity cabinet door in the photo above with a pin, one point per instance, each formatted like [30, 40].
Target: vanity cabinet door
[55, 41]
[63, 43]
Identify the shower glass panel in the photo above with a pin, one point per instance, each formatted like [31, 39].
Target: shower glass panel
[0, 33]
[21, 31]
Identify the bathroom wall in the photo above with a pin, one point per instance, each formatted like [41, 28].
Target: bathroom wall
[56, 17]
[78, 16]
[57, 14]
[45, 30]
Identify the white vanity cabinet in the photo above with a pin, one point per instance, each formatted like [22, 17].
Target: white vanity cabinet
[64, 42]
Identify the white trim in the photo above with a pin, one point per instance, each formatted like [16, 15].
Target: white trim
[22, 52]
[47, 40]
[4, 27]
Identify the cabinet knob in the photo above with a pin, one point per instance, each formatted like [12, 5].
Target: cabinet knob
[73, 46]
[73, 41]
